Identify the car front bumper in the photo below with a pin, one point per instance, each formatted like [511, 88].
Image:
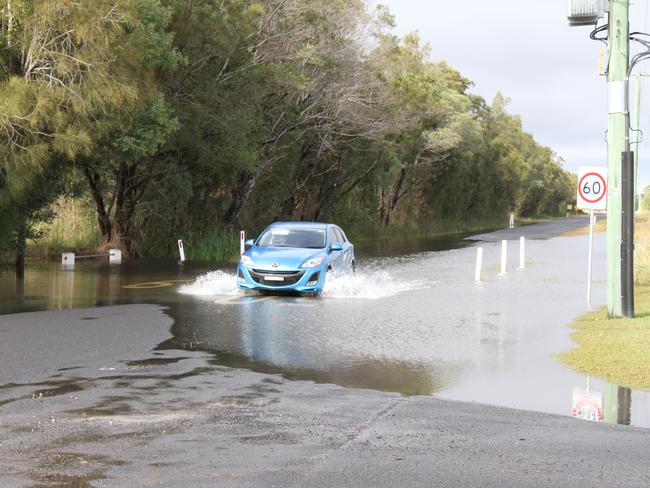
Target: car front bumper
[311, 280]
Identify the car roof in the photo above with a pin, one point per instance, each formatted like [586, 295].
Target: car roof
[299, 224]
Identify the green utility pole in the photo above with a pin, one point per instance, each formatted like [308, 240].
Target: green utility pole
[637, 134]
[617, 120]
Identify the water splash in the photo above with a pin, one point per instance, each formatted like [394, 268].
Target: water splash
[215, 283]
[369, 285]
[366, 284]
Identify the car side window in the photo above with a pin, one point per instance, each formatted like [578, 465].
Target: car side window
[339, 235]
[332, 236]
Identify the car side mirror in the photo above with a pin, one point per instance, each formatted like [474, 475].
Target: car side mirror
[250, 242]
[337, 246]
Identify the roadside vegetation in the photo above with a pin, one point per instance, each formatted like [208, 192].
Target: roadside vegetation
[617, 350]
[164, 119]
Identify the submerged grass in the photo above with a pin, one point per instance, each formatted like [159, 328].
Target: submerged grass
[617, 350]
[215, 243]
[212, 244]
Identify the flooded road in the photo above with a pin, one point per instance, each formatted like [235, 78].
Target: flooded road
[410, 321]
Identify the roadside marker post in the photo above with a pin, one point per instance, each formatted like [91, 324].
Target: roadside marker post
[479, 264]
[512, 220]
[592, 195]
[522, 252]
[181, 251]
[115, 256]
[504, 256]
[242, 242]
[67, 259]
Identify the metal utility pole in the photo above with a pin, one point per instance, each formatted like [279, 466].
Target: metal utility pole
[637, 133]
[617, 126]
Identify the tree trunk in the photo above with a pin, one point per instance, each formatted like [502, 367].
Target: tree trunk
[240, 194]
[397, 196]
[103, 218]
[21, 245]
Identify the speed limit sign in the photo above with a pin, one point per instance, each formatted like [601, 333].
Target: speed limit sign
[592, 188]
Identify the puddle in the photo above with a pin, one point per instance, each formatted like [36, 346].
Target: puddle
[154, 361]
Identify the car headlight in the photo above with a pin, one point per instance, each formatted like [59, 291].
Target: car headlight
[246, 261]
[312, 263]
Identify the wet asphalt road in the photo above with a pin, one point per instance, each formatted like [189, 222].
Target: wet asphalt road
[102, 405]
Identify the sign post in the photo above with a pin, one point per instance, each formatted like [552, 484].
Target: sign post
[592, 195]
[181, 251]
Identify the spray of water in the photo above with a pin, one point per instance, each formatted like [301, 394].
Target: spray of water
[369, 285]
[366, 284]
[215, 283]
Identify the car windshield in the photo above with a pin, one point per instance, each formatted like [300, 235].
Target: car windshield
[293, 237]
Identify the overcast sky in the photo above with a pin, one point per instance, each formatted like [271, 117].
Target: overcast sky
[526, 50]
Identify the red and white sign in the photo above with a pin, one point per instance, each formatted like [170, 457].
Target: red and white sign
[587, 405]
[592, 188]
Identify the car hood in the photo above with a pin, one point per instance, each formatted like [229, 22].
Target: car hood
[287, 258]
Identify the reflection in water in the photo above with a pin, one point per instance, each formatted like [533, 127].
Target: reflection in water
[613, 405]
[617, 404]
[414, 324]
[276, 336]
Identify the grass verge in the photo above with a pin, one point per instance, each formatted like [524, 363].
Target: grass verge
[601, 226]
[617, 350]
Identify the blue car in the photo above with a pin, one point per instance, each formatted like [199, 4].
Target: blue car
[295, 257]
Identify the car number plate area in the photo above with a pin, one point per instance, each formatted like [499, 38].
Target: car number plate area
[274, 278]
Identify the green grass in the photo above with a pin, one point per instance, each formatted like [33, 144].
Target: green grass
[618, 350]
[216, 243]
[212, 244]
[73, 227]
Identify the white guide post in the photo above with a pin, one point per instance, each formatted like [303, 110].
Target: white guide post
[479, 264]
[242, 242]
[67, 259]
[504, 255]
[181, 251]
[115, 256]
[522, 252]
[591, 247]
[512, 220]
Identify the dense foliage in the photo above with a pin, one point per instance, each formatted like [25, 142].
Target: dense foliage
[178, 115]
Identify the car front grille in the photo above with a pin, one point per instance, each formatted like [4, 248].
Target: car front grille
[272, 278]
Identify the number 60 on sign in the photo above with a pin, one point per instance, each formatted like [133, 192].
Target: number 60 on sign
[592, 188]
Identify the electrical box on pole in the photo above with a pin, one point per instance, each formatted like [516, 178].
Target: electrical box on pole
[586, 12]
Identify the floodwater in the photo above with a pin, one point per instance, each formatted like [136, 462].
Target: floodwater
[411, 320]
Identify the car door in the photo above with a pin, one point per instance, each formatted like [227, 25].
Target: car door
[348, 249]
[336, 257]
